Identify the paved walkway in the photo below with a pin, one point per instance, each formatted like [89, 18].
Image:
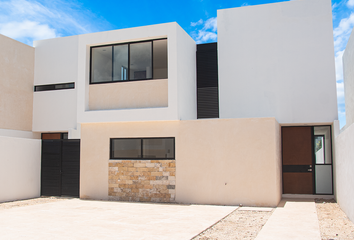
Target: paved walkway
[82, 219]
[292, 219]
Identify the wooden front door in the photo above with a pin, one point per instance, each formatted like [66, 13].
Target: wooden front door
[297, 145]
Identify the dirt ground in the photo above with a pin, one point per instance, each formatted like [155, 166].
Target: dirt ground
[237, 225]
[334, 224]
[27, 202]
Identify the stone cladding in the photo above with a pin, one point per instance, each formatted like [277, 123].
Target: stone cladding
[142, 180]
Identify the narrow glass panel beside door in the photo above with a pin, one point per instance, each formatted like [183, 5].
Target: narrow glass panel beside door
[323, 179]
[319, 150]
[323, 160]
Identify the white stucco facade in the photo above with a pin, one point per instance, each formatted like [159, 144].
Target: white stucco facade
[62, 110]
[274, 70]
[344, 168]
[55, 62]
[19, 170]
[344, 150]
[277, 60]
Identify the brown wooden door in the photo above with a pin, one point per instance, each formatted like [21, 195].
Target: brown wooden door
[297, 160]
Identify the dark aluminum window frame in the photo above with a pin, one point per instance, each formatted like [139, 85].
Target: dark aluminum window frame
[54, 87]
[128, 69]
[142, 149]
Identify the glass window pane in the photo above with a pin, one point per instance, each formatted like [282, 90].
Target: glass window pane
[160, 59]
[64, 86]
[126, 148]
[319, 150]
[159, 148]
[325, 132]
[101, 66]
[323, 179]
[120, 62]
[140, 61]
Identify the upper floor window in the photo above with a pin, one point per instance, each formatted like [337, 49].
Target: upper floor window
[129, 61]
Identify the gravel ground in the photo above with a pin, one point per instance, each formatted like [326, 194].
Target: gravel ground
[237, 225]
[334, 224]
[27, 202]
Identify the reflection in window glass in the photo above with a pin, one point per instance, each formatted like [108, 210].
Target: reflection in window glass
[323, 139]
[120, 62]
[158, 148]
[323, 179]
[50, 87]
[160, 59]
[319, 150]
[140, 61]
[126, 148]
[101, 68]
[143, 148]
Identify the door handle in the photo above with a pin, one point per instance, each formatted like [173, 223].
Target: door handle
[310, 170]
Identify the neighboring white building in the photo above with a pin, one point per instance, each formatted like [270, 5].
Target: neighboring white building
[345, 139]
[162, 119]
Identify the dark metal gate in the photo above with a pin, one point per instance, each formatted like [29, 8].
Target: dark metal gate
[60, 174]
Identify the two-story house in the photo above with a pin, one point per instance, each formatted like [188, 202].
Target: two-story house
[146, 114]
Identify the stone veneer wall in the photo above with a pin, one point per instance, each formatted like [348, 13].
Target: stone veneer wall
[142, 180]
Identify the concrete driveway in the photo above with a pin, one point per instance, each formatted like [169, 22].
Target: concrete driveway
[83, 219]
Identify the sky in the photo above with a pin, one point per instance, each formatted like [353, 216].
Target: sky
[29, 20]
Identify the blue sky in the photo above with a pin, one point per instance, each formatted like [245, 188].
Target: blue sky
[28, 20]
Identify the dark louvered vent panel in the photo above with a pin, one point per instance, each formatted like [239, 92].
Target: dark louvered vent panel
[207, 81]
[60, 173]
[208, 106]
[51, 168]
[70, 177]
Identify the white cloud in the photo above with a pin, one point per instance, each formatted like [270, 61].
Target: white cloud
[211, 24]
[29, 20]
[204, 36]
[208, 31]
[30, 29]
[339, 65]
[340, 92]
[342, 32]
[193, 24]
[350, 3]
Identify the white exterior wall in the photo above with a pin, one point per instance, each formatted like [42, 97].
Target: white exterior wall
[55, 62]
[175, 46]
[186, 76]
[344, 168]
[348, 75]
[68, 60]
[344, 151]
[277, 60]
[20, 168]
[19, 134]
